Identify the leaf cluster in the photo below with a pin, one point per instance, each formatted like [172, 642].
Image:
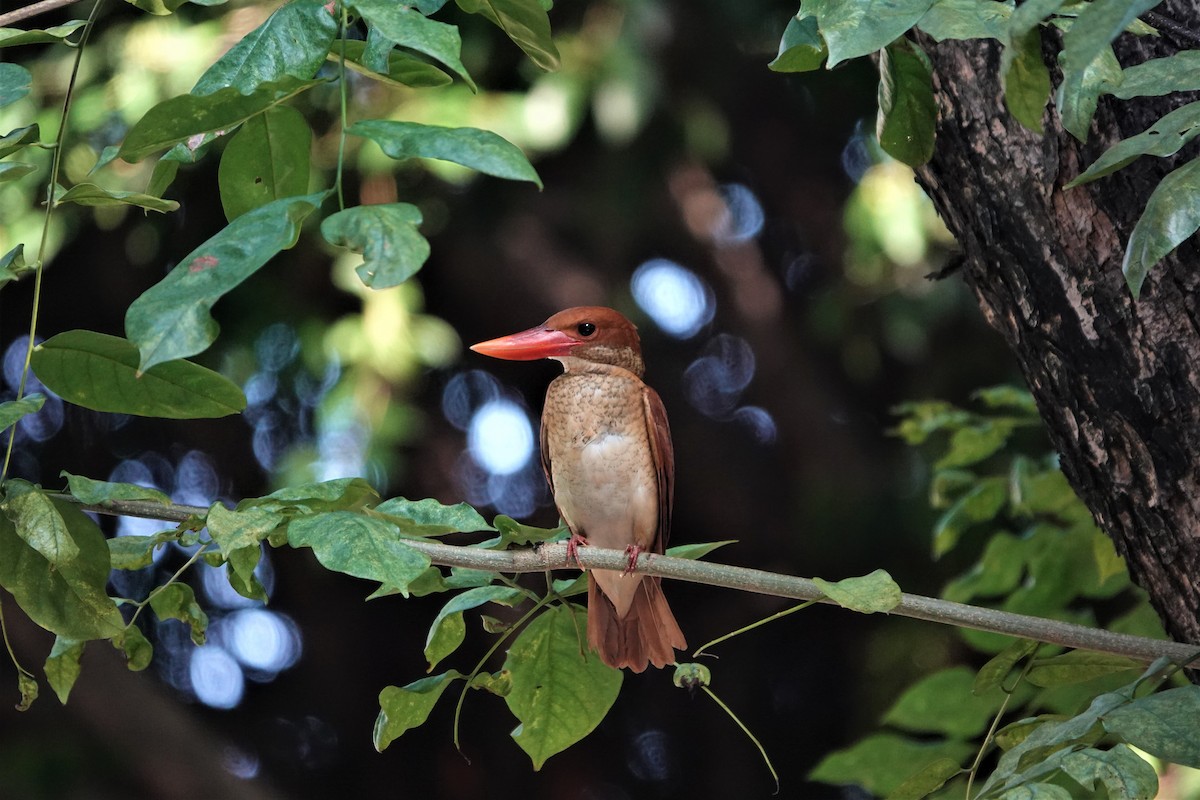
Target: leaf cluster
[1081, 36]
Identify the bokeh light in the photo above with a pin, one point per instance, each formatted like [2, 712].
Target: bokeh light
[678, 301]
[500, 437]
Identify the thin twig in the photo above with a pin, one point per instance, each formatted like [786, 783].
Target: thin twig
[32, 10]
[554, 556]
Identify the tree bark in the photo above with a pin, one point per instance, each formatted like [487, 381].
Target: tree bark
[1117, 380]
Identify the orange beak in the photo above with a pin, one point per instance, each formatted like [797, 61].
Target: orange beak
[530, 345]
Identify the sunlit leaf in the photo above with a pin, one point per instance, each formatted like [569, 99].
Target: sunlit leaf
[292, 41]
[11, 37]
[525, 22]
[1026, 80]
[926, 781]
[966, 19]
[907, 111]
[132, 552]
[480, 150]
[429, 517]
[1009, 398]
[68, 598]
[388, 237]
[978, 505]
[1171, 216]
[1166, 137]
[62, 666]
[1125, 774]
[267, 159]
[513, 532]
[867, 594]
[178, 601]
[945, 702]
[1162, 724]
[410, 28]
[448, 629]
[697, 549]
[801, 49]
[882, 762]
[13, 410]
[100, 372]
[973, 444]
[18, 139]
[171, 319]
[339, 494]
[37, 521]
[233, 530]
[89, 194]
[558, 693]
[402, 708]
[358, 545]
[998, 571]
[15, 82]
[179, 118]
[1178, 72]
[856, 29]
[93, 492]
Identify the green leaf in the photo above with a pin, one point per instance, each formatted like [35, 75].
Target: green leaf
[1037, 791]
[157, 7]
[866, 594]
[801, 49]
[1041, 490]
[234, 530]
[1097, 25]
[89, 194]
[513, 532]
[1171, 216]
[67, 599]
[37, 521]
[973, 444]
[479, 150]
[266, 160]
[558, 693]
[428, 517]
[339, 494]
[18, 139]
[240, 571]
[178, 601]
[448, 629]
[1078, 666]
[93, 492]
[28, 688]
[402, 708]
[13, 410]
[967, 19]
[292, 42]
[1166, 137]
[387, 236]
[180, 118]
[1079, 93]
[400, 69]
[410, 28]
[1162, 724]
[136, 648]
[171, 319]
[1009, 398]
[1179, 72]
[357, 545]
[1026, 80]
[15, 170]
[132, 552]
[998, 571]
[856, 29]
[525, 22]
[696, 550]
[880, 763]
[62, 666]
[993, 674]
[1125, 774]
[15, 82]
[907, 111]
[946, 703]
[100, 372]
[11, 37]
[927, 781]
[978, 505]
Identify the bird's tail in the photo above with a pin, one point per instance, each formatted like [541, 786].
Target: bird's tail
[647, 634]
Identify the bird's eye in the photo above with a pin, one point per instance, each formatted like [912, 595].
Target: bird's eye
[585, 328]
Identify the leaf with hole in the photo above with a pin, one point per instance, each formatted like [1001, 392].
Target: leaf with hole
[100, 372]
[1164, 138]
[266, 160]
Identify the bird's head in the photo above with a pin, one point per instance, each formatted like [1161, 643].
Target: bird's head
[589, 333]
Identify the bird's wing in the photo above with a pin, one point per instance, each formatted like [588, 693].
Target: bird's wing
[663, 452]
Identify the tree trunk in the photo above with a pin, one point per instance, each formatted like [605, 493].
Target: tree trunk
[1117, 379]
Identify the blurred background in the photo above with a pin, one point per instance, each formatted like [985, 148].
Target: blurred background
[776, 267]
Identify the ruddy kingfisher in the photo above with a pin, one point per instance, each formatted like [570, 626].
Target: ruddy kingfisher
[606, 450]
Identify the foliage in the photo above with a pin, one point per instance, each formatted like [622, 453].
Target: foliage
[1081, 35]
[1040, 719]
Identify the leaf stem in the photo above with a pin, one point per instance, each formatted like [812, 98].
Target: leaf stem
[12, 655]
[752, 626]
[55, 165]
[141, 604]
[342, 92]
[987, 739]
[762, 750]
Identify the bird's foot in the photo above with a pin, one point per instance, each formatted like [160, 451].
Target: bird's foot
[632, 552]
[573, 545]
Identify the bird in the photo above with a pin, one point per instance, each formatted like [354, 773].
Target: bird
[607, 454]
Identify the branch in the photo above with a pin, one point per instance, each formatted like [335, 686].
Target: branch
[32, 10]
[554, 556]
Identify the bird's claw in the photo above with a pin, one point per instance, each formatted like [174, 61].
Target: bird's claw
[632, 552]
[573, 545]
